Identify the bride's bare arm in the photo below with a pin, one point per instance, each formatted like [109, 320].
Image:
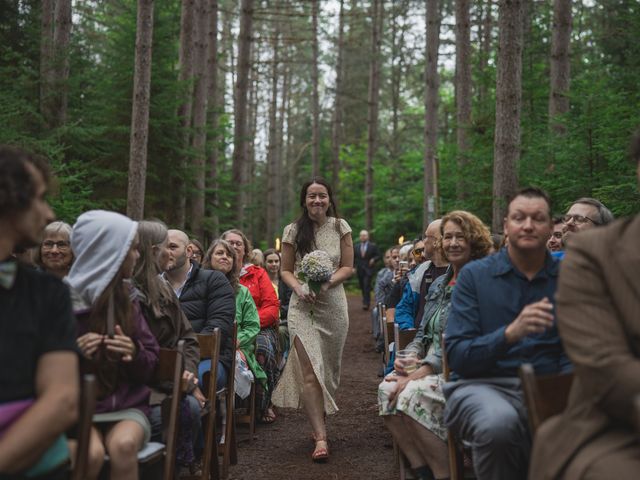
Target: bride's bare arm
[346, 262]
[287, 275]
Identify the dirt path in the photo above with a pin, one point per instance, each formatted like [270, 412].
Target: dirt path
[360, 446]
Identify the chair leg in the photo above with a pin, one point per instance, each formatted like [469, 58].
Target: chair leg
[252, 412]
[402, 465]
[456, 459]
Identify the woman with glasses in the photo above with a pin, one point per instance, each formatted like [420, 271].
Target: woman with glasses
[410, 399]
[257, 281]
[55, 255]
[197, 252]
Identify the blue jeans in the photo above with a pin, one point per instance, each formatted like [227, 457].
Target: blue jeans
[155, 418]
[204, 367]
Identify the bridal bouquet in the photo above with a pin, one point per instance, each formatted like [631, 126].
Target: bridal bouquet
[316, 268]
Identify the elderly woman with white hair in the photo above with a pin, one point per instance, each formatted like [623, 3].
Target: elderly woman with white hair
[54, 255]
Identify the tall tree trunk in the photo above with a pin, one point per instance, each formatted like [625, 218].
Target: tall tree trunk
[336, 121]
[60, 67]
[430, 207]
[463, 92]
[282, 151]
[315, 107]
[240, 140]
[257, 211]
[214, 107]
[185, 109]
[560, 64]
[273, 175]
[508, 108]
[46, 60]
[140, 111]
[373, 101]
[200, 116]
[485, 50]
[400, 11]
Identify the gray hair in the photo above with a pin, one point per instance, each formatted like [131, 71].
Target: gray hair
[57, 227]
[604, 214]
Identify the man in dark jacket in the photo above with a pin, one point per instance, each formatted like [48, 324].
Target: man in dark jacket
[206, 297]
[366, 255]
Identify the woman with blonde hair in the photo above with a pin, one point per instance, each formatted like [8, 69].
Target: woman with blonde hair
[410, 398]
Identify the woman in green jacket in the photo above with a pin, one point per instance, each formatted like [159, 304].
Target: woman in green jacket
[222, 257]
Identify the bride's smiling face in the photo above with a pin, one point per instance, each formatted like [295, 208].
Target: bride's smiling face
[317, 200]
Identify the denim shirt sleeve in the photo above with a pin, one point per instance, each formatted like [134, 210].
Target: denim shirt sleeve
[406, 308]
[470, 351]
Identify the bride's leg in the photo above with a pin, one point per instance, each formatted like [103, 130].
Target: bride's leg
[311, 392]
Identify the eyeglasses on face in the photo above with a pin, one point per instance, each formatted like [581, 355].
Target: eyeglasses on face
[578, 219]
[49, 244]
[417, 252]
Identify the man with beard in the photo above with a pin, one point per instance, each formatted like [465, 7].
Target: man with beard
[38, 363]
[206, 298]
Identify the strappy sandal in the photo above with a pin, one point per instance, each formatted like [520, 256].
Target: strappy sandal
[269, 416]
[320, 453]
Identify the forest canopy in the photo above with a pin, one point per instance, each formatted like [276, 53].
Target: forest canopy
[395, 102]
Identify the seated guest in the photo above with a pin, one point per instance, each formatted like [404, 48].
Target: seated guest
[598, 304]
[502, 316]
[257, 258]
[257, 281]
[113, 338]
[205, 297]
[55, 255]
[197, 252]
[384, 283]
[554, 244]
[38, 363]
[585, 214]
[222, 257]
[399, 279]
[412, 402]
[169, 325]
[272, 266]
[431, 265]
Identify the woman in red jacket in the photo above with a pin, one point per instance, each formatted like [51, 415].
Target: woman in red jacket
[256, 279]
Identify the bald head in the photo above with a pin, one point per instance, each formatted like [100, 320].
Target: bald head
[177, 242]
[364, 236]
[431, 238]
[178, 236]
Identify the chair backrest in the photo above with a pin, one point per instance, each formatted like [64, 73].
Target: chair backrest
[402, 338]
[210, 349]
[636, 412]
[87, 407]
[170, 368]
[545, 395]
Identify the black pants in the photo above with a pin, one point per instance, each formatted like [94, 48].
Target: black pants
[364, 280]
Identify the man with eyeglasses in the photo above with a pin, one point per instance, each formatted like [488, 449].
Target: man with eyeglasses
[585, 213]
[430, 266]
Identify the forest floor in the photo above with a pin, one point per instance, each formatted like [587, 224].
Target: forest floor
[359, 445]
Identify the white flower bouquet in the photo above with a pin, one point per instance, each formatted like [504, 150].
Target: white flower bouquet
[316, 268]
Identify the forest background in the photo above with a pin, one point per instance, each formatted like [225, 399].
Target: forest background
[210, 114]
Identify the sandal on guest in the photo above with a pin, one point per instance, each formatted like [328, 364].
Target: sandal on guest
[321, 452]
[269, 416]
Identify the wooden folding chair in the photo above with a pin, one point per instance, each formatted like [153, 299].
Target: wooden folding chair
[210, 349]
[248, 416]
[545, 395]
[228, 448]
[456, 456]
[402, 338]
[87, 407]
[170, 368]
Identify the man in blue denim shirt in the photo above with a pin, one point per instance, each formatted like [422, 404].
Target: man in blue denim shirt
[502, 315]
